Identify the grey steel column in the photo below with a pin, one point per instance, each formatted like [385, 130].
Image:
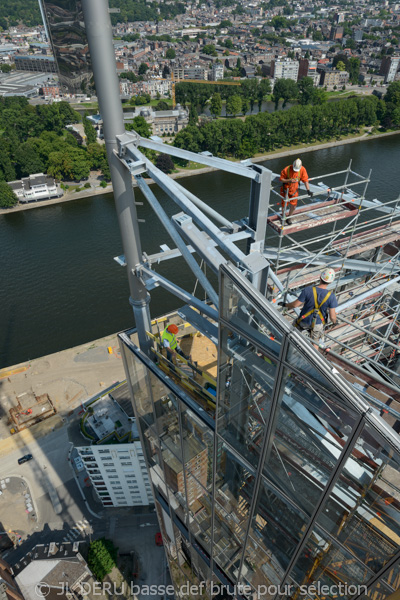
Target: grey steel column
[99, 35]
[260, 192]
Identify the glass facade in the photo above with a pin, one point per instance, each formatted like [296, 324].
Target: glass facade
[66, 28]
[292, 488]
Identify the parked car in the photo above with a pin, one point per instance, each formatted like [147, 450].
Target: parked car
[158, 539]
[25, 459]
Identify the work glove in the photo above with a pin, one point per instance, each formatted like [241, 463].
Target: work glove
[310, 193]
[281, 303]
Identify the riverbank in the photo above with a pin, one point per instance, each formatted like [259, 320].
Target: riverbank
[279, 153]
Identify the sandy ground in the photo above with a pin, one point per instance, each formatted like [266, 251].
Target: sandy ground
[69, 377]
[95, 190]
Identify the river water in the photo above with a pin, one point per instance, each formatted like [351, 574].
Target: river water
[60, 286]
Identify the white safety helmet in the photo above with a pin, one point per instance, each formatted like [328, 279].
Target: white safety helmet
[297, 165]
[328, 275]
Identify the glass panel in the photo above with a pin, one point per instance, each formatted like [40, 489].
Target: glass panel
[234, 486]
[310, 433]
[228, 542]
[393, 577]
[197, 449]
[240, 312]
[245, 386]
[141, 383]
[379, 591]
[363, 509]
[296, 359]
[323, 563]
[275, 531]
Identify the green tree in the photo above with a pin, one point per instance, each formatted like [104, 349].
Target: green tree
[7, 197]
[170, 53]
[143, 68]
[228, 43]
[210, 50]
[28, 161]
[90, 131]
[233, 105]
[216, 105]
[140, 125]
[341, 66]
[285, 89]
[164, 163]
[102, 557]
[306, 90]
[193, 116]
[162, 105]
[5, 68]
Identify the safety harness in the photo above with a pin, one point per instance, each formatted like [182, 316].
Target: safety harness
[296, 174]
[316, 311]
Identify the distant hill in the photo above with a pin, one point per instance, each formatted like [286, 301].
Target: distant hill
[13, 12]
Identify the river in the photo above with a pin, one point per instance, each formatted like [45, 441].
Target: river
[60, 286]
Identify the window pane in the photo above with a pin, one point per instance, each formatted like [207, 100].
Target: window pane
[197, 449]
[323, 563]
[363, 509]
[241, 313]
[246, 381]
[310, 433]
[275, 531]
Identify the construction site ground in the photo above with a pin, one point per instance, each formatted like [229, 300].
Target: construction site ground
[69, 378]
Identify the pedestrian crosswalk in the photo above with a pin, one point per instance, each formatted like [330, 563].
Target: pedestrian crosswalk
[79, 530]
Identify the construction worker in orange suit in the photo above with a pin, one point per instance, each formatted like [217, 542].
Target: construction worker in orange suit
[291, 177]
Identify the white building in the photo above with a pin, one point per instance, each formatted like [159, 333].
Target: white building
[160, 86]
[217, 72]
[114, 461]
[285, 69]
[118, 473]
[35, 187]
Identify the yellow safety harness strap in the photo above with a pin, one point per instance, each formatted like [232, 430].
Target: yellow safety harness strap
[316, 307]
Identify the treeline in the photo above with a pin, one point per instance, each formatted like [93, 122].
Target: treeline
[265, 132]
[198, 94]
[34, 139]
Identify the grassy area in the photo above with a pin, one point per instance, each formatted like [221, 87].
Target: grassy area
[343, 94]
[92, 105]
[301, 145]
[191, 166]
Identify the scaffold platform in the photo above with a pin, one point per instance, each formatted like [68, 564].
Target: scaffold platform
[368, 240]
[314, 215]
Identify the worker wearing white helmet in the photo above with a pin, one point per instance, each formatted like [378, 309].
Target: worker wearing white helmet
[291, 177]
[318, 302]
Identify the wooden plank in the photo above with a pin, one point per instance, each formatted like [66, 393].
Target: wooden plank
[308, 217]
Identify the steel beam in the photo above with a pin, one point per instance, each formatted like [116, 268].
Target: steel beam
[172, 232]
[211, 161]
[100, 40]
[328, 260]
[199, 241]
[207, 209]
[366, 294]
[167, 185]
[259, 205]
[179, 292]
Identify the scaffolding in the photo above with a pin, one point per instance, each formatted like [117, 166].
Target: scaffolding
[362, 245]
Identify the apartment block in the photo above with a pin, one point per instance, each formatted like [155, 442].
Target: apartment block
[285, 69]
[114, 459]
[389, 67]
